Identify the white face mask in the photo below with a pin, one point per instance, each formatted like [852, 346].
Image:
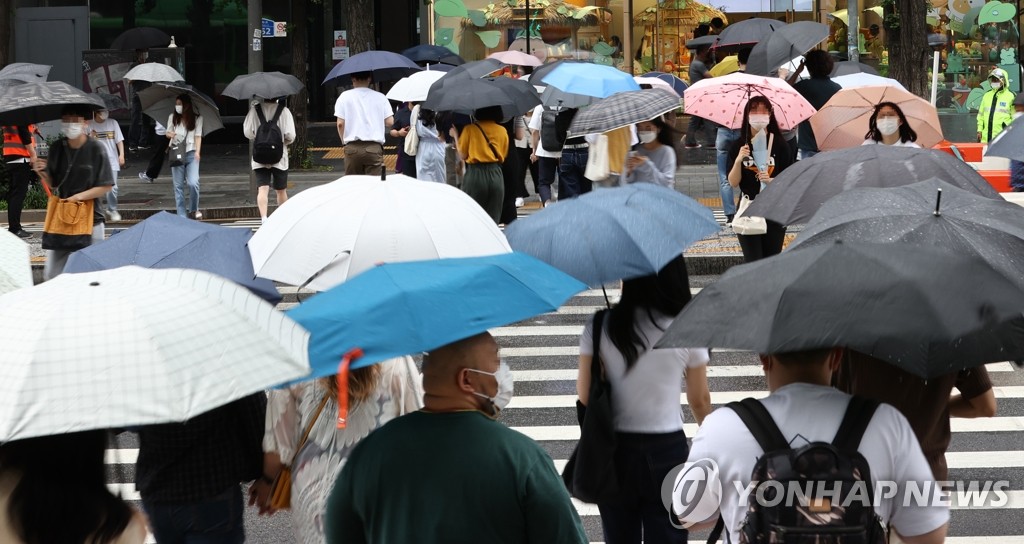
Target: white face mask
[646, 137]
[996, 84]
[71, 130]
[179, 109]
[102, 116]
[888, 125]
[504, 395]
[759, 121]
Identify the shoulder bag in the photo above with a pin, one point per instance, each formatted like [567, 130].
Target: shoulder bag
[176, 151]
[68, 225]
[412, 138]
[497, 156]
[281, 490]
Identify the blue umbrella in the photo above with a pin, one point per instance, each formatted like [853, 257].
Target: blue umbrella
[613, 234]
[678, 85]
[165, 240]
[384, 65]
[590, 79]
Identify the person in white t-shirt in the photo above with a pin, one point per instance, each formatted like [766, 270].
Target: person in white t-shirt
[363, 117]
[547, 161]
[806, 409]
[888, 125]
[107, 132]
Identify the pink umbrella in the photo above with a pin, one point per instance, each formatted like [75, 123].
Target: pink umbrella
[515, 58]
[843, 120]
[722, 99]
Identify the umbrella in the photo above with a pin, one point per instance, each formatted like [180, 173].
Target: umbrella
[864, 79]
[153, 71]
[556, 98]
[780, 46]
[110, 101]
[722, 99]
[133, 346]
[474, 70]
[404, 308]
[384, 65]
[15, 265]
[16, 73]
[414, 88]
[725, 66]
[624, 109]
[703, 41]
[263, 85]
[432, 54]
[165, 240]
[843, 121]
[327, 234]
[613, 234]
[143, 37]
[515, 97]
[844, 15]
[797, 193]
[655, 82]
[748, 32]
[515, 58]
[538, 48]
[922, 309]
[36, 102]
[538, 75]
[158, 103]
[1009, 143]
[847, 67]
[677, 84]
[590, 79]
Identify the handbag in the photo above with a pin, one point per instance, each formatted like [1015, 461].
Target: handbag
[68, 225]
[591, 474]
[748, 226]
[598, 167]
[281, 490]
[412, 138]
[176, 152]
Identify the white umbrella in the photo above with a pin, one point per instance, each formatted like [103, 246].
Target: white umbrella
[134, 346]
[15, 266]
[862, 79]
[414, 88]
[153, 71]
[654, 82]
[327, 234]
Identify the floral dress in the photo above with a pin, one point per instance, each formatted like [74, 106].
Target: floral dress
[317, 465]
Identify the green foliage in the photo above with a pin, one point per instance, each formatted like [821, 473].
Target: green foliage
[489, 37]
[478, 17]
[35, 199]
[450, 8]
[996, 12]
[444, 36]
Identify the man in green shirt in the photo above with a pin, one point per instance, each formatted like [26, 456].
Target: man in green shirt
[450, 473]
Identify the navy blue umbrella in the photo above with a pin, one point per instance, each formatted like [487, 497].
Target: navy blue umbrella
[613, 234]
[678, 85]
[432, 54]
[168, 241]
[384, 65]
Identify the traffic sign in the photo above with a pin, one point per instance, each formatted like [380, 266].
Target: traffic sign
[268, 28]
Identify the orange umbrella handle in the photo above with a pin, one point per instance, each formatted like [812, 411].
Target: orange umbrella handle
[343, 369]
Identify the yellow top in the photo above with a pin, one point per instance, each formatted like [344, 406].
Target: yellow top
[618, 148]
[473, 144]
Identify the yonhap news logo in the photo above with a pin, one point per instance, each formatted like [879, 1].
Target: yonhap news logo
[692, 492]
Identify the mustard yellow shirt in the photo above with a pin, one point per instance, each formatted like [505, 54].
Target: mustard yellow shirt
[473, 145]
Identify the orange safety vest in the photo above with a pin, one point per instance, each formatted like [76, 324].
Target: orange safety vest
[12, 142]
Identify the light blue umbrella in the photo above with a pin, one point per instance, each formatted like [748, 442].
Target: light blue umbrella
[613, 234]
[590, 79]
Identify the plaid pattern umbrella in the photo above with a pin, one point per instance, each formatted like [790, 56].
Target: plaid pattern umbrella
[15, 267]
[623, 109]
[722, 99]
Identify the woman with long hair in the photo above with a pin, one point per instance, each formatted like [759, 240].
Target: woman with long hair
[645, 385]
[653, 160]
[430, 154]
[377, 394]
[185, 128]
[745, 174]
[888, 125]
[53, 489]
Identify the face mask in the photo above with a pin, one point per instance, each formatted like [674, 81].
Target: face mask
[646, 137]
[504, 395]
[996, 84]
[888, 125]
[179, 109]
[102, 116]
[71, 130]
[759, 122]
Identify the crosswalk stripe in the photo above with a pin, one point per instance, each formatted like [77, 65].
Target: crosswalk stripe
[714, 371]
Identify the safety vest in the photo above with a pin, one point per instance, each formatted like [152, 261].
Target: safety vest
[12, 142]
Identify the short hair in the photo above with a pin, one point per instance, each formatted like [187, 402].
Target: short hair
[702, 30]
[77, 110]
[361, 76]
[490, 113]
[819, 63]
[805, 357]
[717, 22]
[744, 55]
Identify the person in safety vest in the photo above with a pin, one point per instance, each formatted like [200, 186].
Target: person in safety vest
[996, 110]
[19, 154]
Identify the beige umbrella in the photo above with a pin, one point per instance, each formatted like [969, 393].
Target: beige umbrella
[843, 121]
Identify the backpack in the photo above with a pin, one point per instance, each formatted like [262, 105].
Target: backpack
[268, 146]
[554, 129]
[838, 464]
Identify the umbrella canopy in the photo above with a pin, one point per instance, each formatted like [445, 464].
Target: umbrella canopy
[404, 308]
[515, 58]
[677, 84]
[143, 37]
[327, 234]
[515, 97]
[384, 65]
[725, 66]
[153, 71]
[1009, 143]
[780, 46]
[414, 88]
[36, 102]
[925, 310]
[654, 82]
[165, 240]
[24, 72]
[158, 103]
[263, 85]
[748, 32]
[847, 67]
[863, 79]
[554, 97]
[722, 99]
[133, 346]
[843, 121]
[473, 70]
[703, 41]
[797, 193]
[432, 54]
[624, 109]
[613, 234]
[111, 102]
[15, 265]
[590, 79]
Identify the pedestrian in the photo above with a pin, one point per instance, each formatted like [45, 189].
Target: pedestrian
[888, 125]
[697, 72]
[19, 156]
[108, 133]
[546, 152]
[996, 110]
[1017, 167]
[573, 163]
[817, 89]
[645, 400]
[77, 169]
[53, 489]
[745, 174]
[378, 394]
[723, 143]
[717, 25]
[430, 154]
[363, 116]
[522, 150]
[185, 128]
[483, 144]
[156, 162]
[805, 409]
[514, 129]
[404, 164]
[140, 132]
[653, 160]
[270, 110]
[450, 472]
[189, 474]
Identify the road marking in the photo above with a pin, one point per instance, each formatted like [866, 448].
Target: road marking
[714, 371]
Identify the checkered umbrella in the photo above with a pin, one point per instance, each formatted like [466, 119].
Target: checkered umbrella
[134, 346]
[15, 267]
[623, 109]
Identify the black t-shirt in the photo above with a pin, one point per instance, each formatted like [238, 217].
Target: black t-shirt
[817, 91]
[779, 153]
[89, 167]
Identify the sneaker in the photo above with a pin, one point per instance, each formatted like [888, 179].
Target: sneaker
[199, 215]
[23, 234]
[133, 148]
[520, 202]
[113, 216]
[145, 178]
[692, 146]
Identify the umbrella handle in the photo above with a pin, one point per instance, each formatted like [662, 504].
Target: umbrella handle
[938, 202]
[343, 368]
[606, 301]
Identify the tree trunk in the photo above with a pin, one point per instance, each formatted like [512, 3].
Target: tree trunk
[299, 34]
[906, 36]
[7, 31]
[359, 14]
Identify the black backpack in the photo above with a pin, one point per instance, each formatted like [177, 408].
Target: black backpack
[554, 128]
[268, 146]
[838, 464]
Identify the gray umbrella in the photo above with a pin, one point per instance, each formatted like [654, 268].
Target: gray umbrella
[1009, 143]
[17, 73]
[847, 67]
[37, 102]
[110, 101]
[925, 310]
[556, 98]
[784, 45]
[801, 189]
[624, 109]
[263, 85]
[747, 32]
[152, 72]
[158, 102]
[514, 96]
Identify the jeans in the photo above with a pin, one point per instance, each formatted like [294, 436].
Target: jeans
[186, 173]
[546, 168]
[724, 140]
[571, 181]
[217, 520]
[57, 258]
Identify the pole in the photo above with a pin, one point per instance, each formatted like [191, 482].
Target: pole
[935, 77]
[255, 48]
[853, 30]
[627, 34]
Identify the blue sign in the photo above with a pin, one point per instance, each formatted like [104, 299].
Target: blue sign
[268, 28]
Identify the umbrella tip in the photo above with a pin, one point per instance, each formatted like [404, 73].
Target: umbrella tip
[94, 284]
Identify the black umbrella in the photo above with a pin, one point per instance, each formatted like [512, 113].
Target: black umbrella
[470, 70]
[747, 32]
[1009, 143]
[702, 41]
[263, 85]
[143, 37]
[36, 102]
[158, 101]
[515, 97]
[784, 45]
[801, 189]
[925, 310]
[432, 54]
[847, 67]
[384, 65]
